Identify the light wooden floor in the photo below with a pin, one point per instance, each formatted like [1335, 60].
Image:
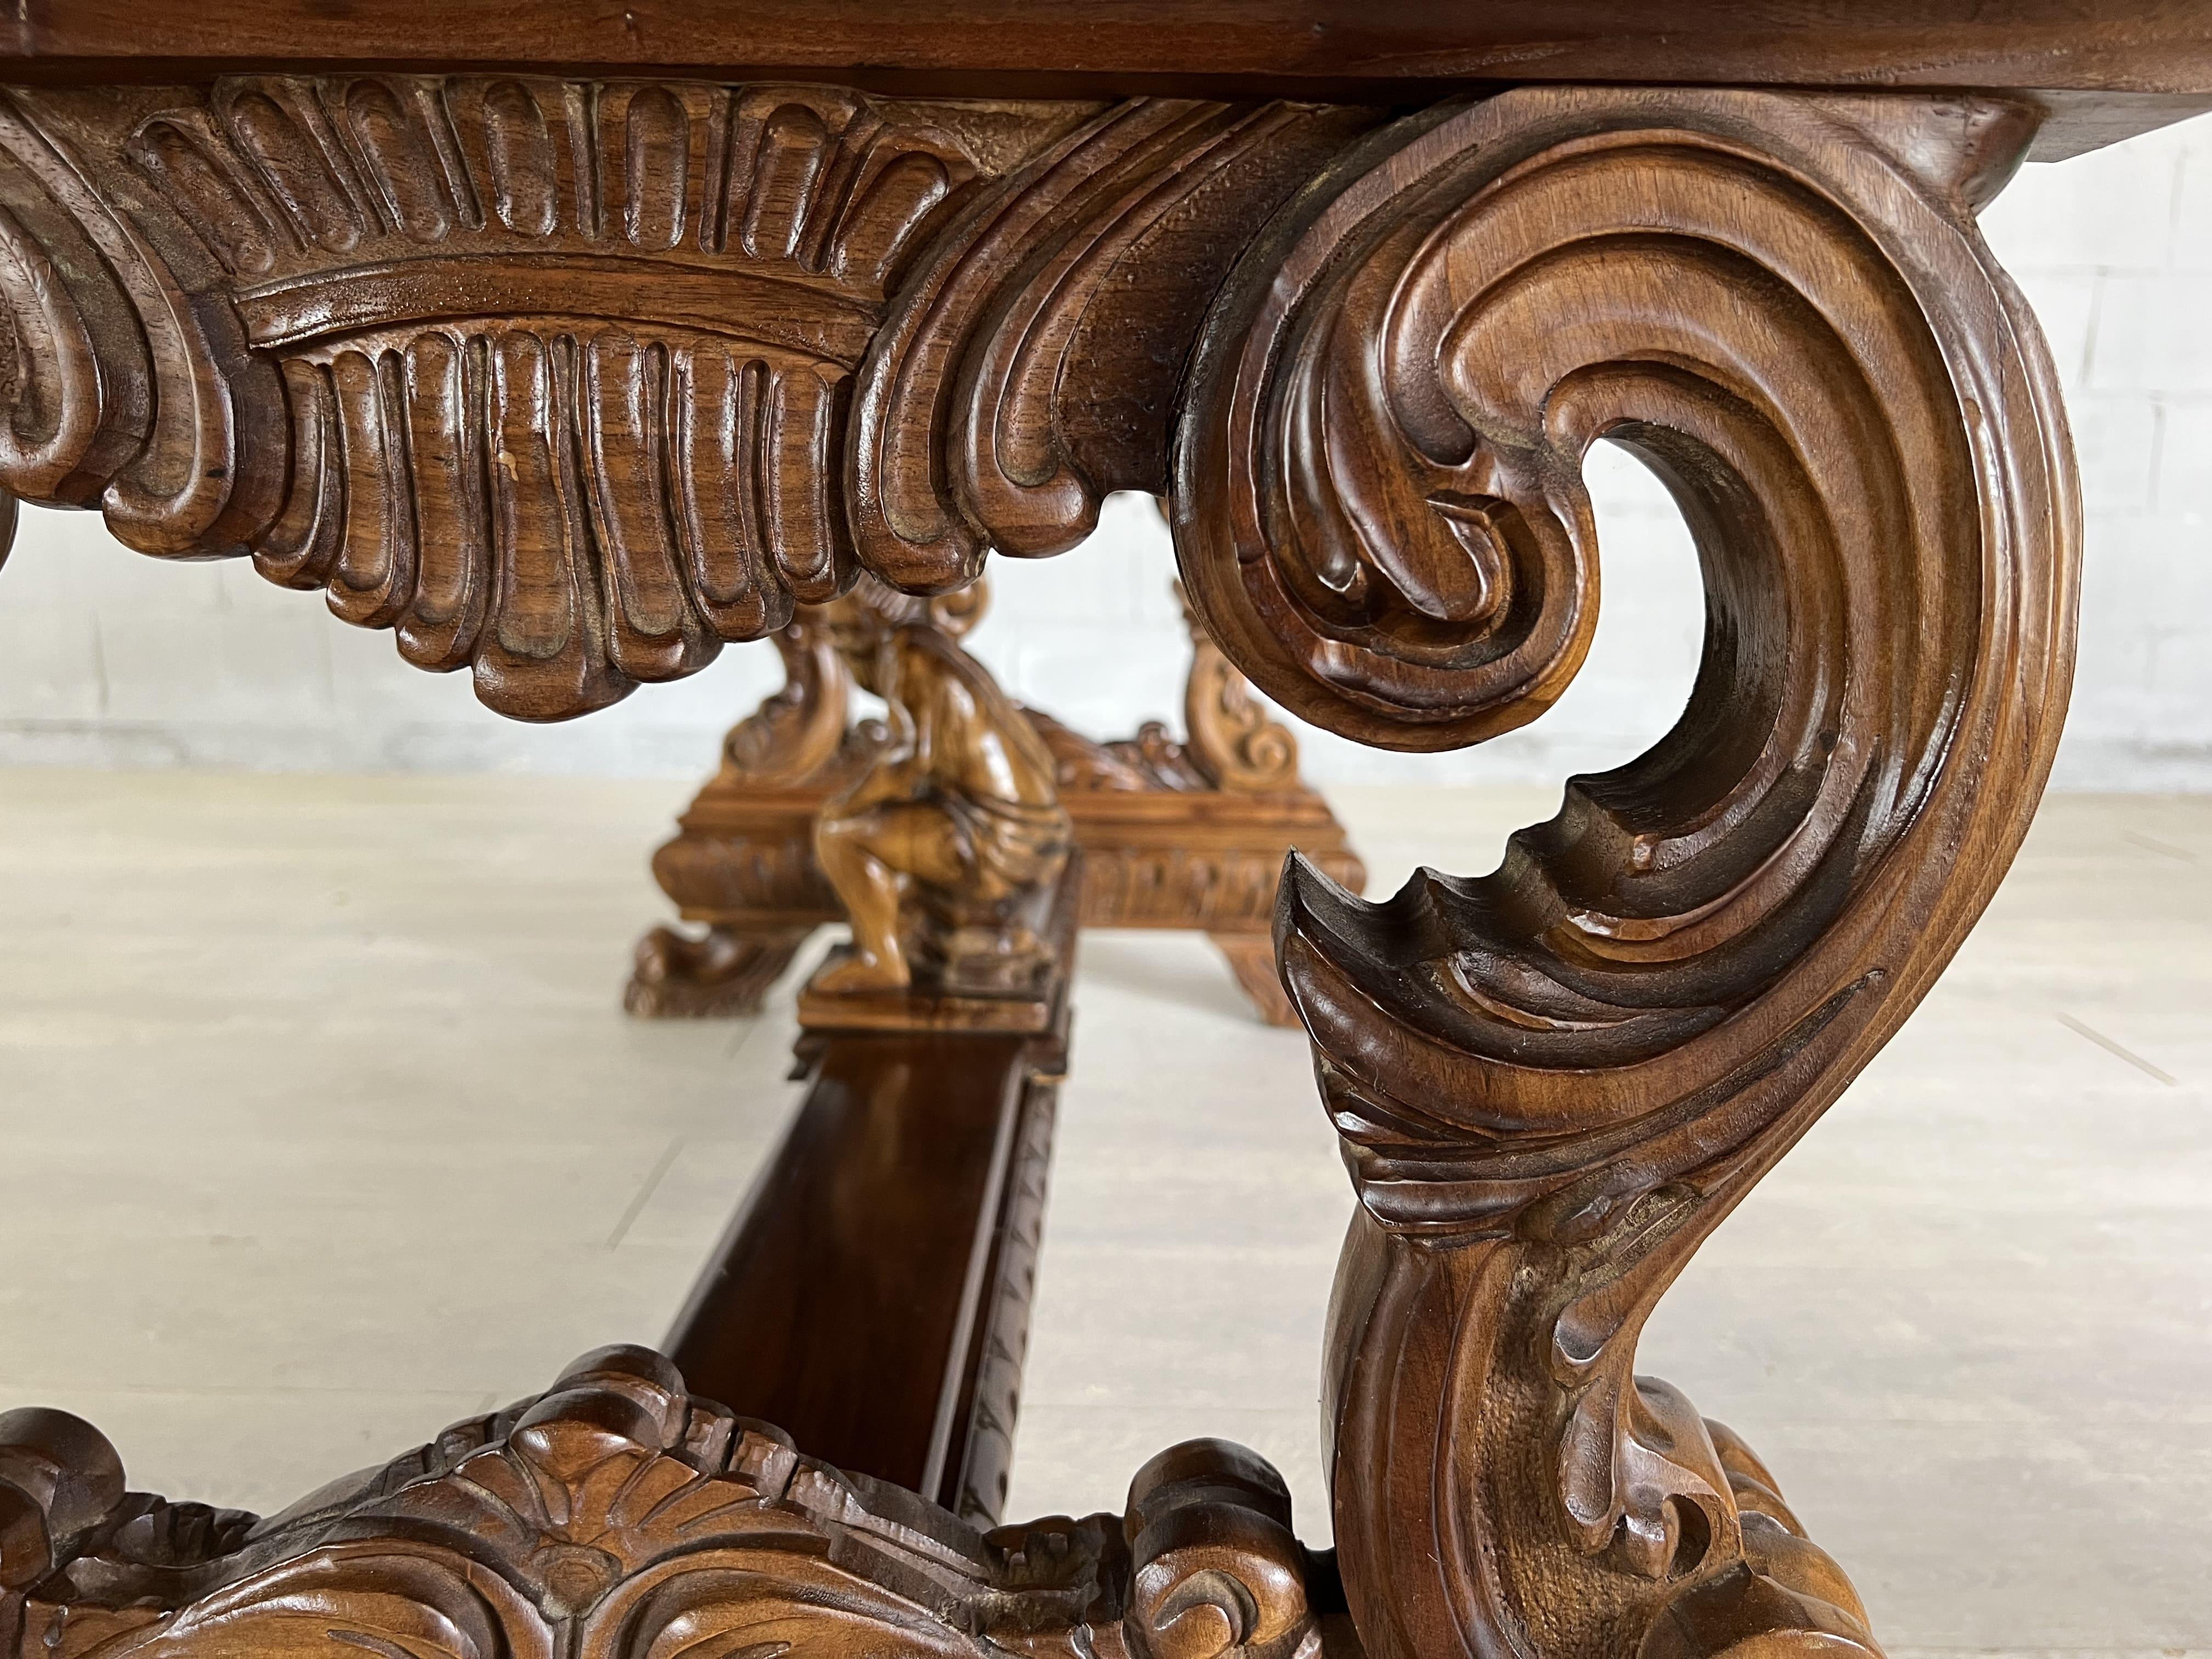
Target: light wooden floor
[322, 1126]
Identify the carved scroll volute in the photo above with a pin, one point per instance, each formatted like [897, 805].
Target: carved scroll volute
[1232, 742]
[796, 733]
[1554, 1081]
[59, 1478]
[1092, 265]
[1217, 1571]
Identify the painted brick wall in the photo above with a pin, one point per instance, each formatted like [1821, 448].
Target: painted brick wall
[109, 658]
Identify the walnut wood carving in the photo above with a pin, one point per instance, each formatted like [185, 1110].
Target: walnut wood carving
[1187, 834]
[1234, 743]
[543, 375]
[617, 1516]
[946, 854]
[551, 376]
[2105, 71]
[1554, 1082]
[1091, 268]
[570, 380]
[778, 765]
[872, 1294]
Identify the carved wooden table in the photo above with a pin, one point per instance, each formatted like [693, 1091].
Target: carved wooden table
[570, 340]
[1188, 835]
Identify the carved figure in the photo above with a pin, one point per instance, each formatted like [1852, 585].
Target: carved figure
[946, 849]
[779, 764]
[1184, 835]
[567, 381]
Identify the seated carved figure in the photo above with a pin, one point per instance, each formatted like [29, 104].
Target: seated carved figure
[948, 847]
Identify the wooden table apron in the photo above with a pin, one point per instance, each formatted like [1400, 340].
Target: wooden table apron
[569, 342]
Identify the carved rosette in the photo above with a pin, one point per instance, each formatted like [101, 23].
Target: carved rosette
[617, 1518]
[1554, 1081]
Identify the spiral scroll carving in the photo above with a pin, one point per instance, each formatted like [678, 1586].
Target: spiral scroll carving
[1092, 265]
[1554, 1081]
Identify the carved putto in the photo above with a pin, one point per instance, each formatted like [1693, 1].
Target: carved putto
[945, 853]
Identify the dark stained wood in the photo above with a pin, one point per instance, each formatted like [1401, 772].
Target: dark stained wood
[1554, 1082]
[872, 1295]
[617, 1516]
[1415, 51]
[569, 380]
[861, 1286]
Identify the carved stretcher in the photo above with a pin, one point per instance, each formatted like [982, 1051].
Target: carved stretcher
[569, 342]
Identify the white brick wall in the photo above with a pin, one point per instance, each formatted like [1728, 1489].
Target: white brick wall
[106, 658]
[2115, 251]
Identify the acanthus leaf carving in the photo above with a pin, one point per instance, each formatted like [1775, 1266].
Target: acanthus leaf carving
[1233, 743]
[1094, 262]
[557, 378]
[1554, 1082]
[617, 1518]
[547, 376]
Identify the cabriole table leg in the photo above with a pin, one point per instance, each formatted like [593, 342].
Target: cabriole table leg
[1553, 1083]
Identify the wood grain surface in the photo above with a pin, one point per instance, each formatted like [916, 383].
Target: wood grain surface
[2123, 55]
[1554, 1081]
[618, 1517]
[568, 378]
[882, 1265]
[1189, 833]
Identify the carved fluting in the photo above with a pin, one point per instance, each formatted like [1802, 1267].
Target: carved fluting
[547, 376]
[1092, 267]
[1554, 1081]
[617, 1518]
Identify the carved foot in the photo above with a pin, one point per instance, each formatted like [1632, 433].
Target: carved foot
[1251, 957]
[1012, 978]
[1814, 1595]
[722, 972]
[617, 1517]
[853, 975]
[993, 961]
